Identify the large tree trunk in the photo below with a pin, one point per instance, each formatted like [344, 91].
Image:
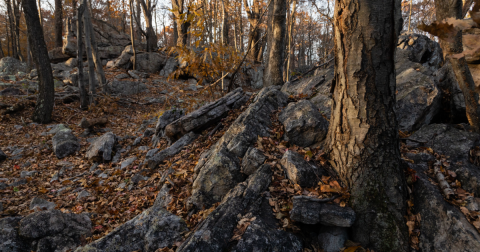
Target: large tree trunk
[362, 140]
[88, 44]
[253, 14]
[46, 96]
[80, 46]
[453, 9]
[276, 45]
[224, 23]
[11, 21]
[58, 23]
[150, 34]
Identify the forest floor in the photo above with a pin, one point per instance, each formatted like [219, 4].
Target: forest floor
[112, 197]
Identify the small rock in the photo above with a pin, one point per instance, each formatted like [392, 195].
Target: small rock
[55, 177]
[18, 127]
[82, 194]
[54, 129]
[127, 162]
[3, 186]
[41, 204]
[3, 156]
[166, 118]
[122, 185]
[137, 141]
[122, 76]
[19, 182]
[93, 167]
[133, 74]
[148, 132]
[253, 159]
[143, 148]
[101, 149]
[308, 210]
[300, 171]
[116, 158]
[26, 174]
[137, 178]
[103, 175]
[65, 143]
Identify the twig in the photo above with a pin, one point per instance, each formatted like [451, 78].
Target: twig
[215, 129]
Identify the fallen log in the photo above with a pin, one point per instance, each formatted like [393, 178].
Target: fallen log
[205, 116]
[90, 123]
[17, 107]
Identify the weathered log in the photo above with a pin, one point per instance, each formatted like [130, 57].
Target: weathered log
[205, 116]
[89, 123]
[17, 107]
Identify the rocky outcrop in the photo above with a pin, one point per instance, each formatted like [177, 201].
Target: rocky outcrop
[418, 97]
[205, 116]
[446, 140]
[253, 159]
[243, 201]
[304, 125]
[101, 149]
[299, 171]
[150, 62]
[12, 66]
[65, 143]
[155, 228]
[219, 169]
[255, 76]
[172, 150]
[443, 227]
[44, 231]
[304, 86]
[421, 50]
[125, 88]
[311, 211]
[171, 64]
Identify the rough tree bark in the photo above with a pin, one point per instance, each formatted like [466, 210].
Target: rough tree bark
[182, 21]
[224, 23]
[276, 45]
[451, 49]
[80, 46]
[362, 140]
[58, 23]
[11, 21]
[88, 45]
[46, 96]
[16, 12]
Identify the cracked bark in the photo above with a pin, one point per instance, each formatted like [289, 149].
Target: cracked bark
[362, 140]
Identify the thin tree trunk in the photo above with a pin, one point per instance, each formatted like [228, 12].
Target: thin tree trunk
[96, 58]
[273, 72]
[124, 19]
[40, 13]
[410, 15]
[132, 36]
[466, 7]
[224, 24]
[290, 35]
[1, 50]
[88, 45]
[45, 100]
[81, 47]
[16, 11]
[12, 28]
[453, 9]
[151, 37]
[362, 140]
[58, 23]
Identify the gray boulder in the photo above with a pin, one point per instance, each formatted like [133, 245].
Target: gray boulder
[304, 125]
[246, 200]
[421, 50]
[110, 52]
[54, 231]
[9, 239]
[323, 103]
[166, 118]
[253, 159]
[41, 204]
[125, 88]
[299, 171]
[123, 61]
[418, 97]
[445, 139]
[150, 62]
[155, 228]
[468, 175]
[65, 143]
[312, 211]
[12, 66]
[255, 76]
[443, 227]
[332, 239]
[171, 64]
[219, 168]
[305, 86]
[101, 149]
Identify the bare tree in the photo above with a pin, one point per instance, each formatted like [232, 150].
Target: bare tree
[253, 14]
[45, 100]
[80, 46]
[58, 23]
[151, 36]
[362, 140]
[88, 45]
[183, 20]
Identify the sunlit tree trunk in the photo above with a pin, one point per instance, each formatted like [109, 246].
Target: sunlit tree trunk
[362, 141]
[290, 35]
[150, 33]
[45, 99]
[273, 72]
[453, 9]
